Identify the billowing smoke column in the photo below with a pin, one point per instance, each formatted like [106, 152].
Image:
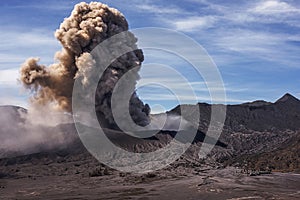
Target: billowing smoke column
[88, 26]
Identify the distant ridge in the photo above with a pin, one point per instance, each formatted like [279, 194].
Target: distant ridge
[258, 115]
[288, 98]
[12, 114]
[261, 133]
[257, 103]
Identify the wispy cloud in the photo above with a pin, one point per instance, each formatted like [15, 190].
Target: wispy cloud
[16, 45]
[13, 100]
[277, 48]
[241, 31]
[158, 9]
[177, 85]
[193, 23]
[11, 90]
[9, 77]
[15, 37]
[274, 7]
[12, 93]
[166, 87]
[53, 5]
[190, 99]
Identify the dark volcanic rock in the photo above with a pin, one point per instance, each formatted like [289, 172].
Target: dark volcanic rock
[257, 132]
[285, 158]
[288, 99]
[257, 116]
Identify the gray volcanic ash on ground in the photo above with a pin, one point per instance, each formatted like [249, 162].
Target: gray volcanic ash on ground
[88, 26]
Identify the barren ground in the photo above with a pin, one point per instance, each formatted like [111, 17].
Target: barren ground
[200, 183]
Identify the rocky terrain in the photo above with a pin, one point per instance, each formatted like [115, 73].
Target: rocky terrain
[257, 136]
[259, 132]
[57, 175]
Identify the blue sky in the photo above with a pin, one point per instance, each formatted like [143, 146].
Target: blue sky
[255, 44]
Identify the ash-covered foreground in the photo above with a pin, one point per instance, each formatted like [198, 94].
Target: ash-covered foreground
[47, 177]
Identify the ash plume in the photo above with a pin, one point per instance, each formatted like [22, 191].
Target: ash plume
[88, 25]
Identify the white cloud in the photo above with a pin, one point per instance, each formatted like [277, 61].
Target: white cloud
[273, 7]
[13, 100]
[174, 84]
[10, 58]
[193, 23]
[38, 38]
[169, 88]
[16, 45]
[45, 6]
[157, 9]
[12, 93]
[9, 77]
[190, 99]
[260, 45]
[249, 41]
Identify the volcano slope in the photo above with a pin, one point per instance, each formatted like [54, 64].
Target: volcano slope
[66, 170]
[259, 134]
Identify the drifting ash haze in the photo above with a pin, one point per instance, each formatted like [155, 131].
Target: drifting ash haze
[88, 26]
[24, 133]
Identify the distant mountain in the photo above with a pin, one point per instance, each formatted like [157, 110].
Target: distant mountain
[10, 121]
[257, 116]
[288, 99]
[19, 138]
[257, 132]
[11, 114]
